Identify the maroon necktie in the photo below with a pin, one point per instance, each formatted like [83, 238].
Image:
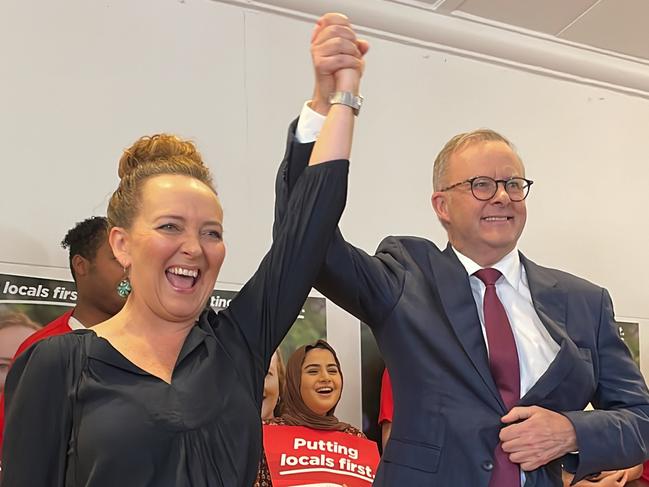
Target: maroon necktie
[503, 362]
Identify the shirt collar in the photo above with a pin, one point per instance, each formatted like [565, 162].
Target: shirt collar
[75, 324]
[509, 266]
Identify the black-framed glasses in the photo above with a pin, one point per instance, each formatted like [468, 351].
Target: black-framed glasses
[484, 188]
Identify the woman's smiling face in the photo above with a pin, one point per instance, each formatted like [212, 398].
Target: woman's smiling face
[174, 248]
[321, 382]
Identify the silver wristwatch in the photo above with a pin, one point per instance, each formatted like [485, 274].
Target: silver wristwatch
[347, 98]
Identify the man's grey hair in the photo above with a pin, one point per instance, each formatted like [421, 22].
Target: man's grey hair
[459, 142]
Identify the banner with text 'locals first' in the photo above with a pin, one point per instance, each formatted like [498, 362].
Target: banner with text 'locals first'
[305, 457]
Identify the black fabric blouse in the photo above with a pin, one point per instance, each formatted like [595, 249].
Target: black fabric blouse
[80, 414]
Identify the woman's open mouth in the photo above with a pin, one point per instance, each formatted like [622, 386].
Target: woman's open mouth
[182, 278]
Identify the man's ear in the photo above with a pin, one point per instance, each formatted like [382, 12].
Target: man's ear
[119, 240]
[81, 265]
[440, 205]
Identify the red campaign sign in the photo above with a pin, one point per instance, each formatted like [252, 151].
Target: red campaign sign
[305, 457]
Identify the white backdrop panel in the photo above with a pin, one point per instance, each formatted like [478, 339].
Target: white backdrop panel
[82, 79]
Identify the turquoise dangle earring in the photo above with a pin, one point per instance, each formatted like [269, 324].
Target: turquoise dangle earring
[124, 287]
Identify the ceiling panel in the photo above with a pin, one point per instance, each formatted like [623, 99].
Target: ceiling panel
[548, 16]
[618, 26]
[615, 25]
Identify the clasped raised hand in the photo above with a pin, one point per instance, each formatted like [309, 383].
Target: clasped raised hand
[338, 59]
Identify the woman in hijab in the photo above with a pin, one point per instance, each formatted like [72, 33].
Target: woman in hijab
[312, 389]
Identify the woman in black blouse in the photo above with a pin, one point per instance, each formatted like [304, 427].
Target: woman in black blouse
[167, 393]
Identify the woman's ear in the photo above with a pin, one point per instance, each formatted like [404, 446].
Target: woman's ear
[119, 240]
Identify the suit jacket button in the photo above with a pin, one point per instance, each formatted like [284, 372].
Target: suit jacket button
[487, 465]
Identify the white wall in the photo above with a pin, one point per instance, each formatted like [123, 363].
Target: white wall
[80, 80]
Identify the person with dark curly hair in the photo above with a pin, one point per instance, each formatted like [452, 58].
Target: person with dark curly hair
[95, 271]
[96, 274]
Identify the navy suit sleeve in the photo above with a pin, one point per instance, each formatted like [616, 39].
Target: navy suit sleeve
[615, 433]
[38, 417]
[366, 286]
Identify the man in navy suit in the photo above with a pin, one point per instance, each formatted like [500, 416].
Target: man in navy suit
[476, 407]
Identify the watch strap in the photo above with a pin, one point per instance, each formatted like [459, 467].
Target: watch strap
[347, 98]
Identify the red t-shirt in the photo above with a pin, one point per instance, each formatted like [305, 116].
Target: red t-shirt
[57, 327]
[645, 471]
[386, 408]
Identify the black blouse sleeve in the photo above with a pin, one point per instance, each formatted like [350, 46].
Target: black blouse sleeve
[367, 286]
[269, 303]
[38, 417]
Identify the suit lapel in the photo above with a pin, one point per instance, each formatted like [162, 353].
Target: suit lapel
[548, 298]
[452, 283]
[550, 304]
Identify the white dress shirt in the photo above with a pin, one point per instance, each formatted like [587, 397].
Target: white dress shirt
[308, 125]
[536, 348]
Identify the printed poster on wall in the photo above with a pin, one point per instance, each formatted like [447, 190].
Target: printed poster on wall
[305, 457]
[629, 332]
[29, 302]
